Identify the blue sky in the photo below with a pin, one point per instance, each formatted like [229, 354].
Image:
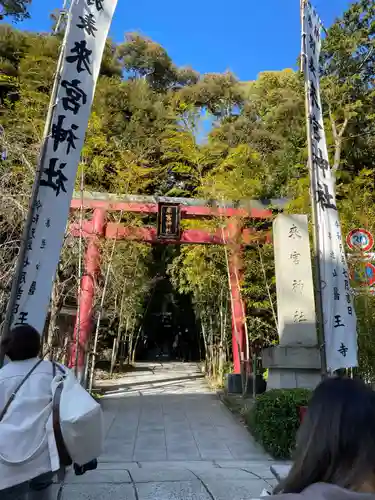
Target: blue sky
[244, 36]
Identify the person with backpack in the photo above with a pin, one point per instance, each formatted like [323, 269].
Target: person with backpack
[28, 452]
[47, 420]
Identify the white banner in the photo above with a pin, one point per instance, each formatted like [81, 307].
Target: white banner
[338, 310]
[84, 42]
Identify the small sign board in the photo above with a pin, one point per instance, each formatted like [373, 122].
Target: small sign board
[360, 239]
[368, 277]
[168, 221]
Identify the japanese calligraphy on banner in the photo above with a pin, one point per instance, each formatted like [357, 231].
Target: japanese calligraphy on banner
[85, 37]
[338, 312]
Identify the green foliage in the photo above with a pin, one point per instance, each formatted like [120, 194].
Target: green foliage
[201, 272]
[348, 66]
[259, 293]
[357, 209]
[274, 419]
[218, 93]
[141, 57]
[16, 9]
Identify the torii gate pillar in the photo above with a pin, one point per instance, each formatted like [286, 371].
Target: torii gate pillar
[83, 325]
[239, 338]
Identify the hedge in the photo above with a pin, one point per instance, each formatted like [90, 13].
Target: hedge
[274, 419]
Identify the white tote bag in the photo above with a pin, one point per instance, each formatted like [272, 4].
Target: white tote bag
[80, 418]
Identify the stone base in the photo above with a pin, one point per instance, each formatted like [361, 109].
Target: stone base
[292, 379]
[291, 367]
[233, 384]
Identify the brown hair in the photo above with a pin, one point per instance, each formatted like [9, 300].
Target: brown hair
[336, 441]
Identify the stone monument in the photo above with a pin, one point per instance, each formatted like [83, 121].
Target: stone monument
[295, 361]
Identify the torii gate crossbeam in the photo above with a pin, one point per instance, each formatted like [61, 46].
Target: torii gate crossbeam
[233, 235]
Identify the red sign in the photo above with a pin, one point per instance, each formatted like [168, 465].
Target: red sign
[360, 239]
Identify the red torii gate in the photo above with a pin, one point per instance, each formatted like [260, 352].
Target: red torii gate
[97, 228]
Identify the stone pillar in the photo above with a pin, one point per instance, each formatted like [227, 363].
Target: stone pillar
[295, 362]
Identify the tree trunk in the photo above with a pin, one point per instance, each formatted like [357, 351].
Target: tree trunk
[223, 324]
[134, 348]
[52, 327]
[205, 343]
[113, 357]
[211, 343]
[117, 343]
[338, 138]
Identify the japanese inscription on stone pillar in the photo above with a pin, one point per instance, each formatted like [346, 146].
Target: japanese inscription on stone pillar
[294, 284]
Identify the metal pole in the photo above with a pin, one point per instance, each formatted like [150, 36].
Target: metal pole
[33, 200]
[80, 275]
[255, 376]
[314, 213]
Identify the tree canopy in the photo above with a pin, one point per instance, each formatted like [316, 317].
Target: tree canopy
[16, 9]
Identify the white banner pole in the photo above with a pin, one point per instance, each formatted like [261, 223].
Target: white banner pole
[33, 198]
[316, 243]
[78, 70]
[336, 303]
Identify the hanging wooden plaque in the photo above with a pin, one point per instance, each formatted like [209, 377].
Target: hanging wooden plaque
[168, 221]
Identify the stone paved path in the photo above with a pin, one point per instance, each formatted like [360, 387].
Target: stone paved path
[169, 437]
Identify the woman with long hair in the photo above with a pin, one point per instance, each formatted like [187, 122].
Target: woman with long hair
[335, 449]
